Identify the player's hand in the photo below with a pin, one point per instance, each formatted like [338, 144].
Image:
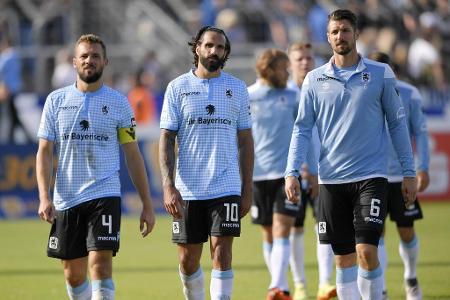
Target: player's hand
[246, 200]
[423, 180]
[173, 203]
[409, 190]
[46, 210]
[147, 220]
[313, 185]
[292, 188]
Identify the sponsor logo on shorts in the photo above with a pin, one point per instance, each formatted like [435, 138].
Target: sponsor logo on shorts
[322, 227]
[53, 242]
[107, 238]
[373, 220]
[230, 225]
[176, 227]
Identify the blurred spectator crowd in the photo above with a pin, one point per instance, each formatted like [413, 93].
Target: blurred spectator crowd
[415, 33]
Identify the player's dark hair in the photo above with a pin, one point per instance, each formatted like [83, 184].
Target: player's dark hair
[380, 57]
[384, 58]
[197, 39]
[343, 14]
[92, 39]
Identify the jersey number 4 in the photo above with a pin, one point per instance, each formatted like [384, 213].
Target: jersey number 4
[107, 223]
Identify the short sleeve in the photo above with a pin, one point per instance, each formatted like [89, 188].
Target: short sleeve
[244, 121]
[127, 119]
[169, 113]
[47, 124]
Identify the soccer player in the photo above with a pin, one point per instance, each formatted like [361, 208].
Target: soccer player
[206, 111]
[402, 215]
[349, 99]
[86, 122]
[301, 57]
[274, 109]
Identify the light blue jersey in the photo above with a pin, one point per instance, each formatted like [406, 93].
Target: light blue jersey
[207, 114]
[273, 114]
[84, 128]
[350, 117]
[417, 127]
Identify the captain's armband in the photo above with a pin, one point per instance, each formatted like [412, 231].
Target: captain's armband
[127, 135]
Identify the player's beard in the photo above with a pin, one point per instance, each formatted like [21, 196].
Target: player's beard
[92, 77]
[344, 50]
[212, 63]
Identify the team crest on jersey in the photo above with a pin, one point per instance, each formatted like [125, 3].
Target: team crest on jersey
[229, 93]
[325, 85]
[365, 76]
[322, 227]
[105, 109]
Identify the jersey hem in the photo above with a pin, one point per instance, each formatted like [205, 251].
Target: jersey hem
[268, 177]
[210, 197]
[82, 200]
[350, 180]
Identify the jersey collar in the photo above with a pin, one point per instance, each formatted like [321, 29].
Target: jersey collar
[329, 70]
[201, 80]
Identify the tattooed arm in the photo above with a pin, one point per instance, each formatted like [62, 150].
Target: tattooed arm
[173, 202]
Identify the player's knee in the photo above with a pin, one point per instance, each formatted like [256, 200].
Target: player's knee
[189, 264]
[406, 234]
[221, 257]
[367, 256]
[74, 279]
[101, 271]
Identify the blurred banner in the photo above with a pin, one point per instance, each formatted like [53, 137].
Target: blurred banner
[19, 195]
[439, 188]
[18, 187]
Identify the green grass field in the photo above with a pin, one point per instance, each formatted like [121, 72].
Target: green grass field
[148, 268]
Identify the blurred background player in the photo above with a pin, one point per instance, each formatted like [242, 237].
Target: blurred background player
[349, 99]
[301, 57]
[404, 216]
[86, 122]
[274, 109]
[207, 112]
[11, 85]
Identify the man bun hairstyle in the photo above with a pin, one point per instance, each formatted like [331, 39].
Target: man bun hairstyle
[197, 39]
